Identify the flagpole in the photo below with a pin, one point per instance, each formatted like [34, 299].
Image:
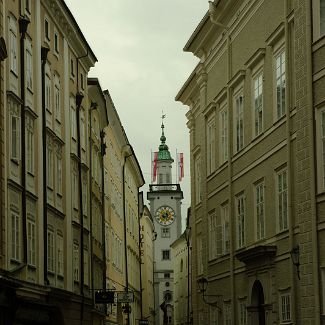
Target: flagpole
[176, 168]
[151, 166]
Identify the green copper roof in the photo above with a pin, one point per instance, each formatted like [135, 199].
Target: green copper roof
[163, 153]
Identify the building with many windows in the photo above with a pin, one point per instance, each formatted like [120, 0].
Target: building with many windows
[256, 121]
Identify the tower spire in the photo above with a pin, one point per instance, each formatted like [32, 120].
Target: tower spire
[163, 153]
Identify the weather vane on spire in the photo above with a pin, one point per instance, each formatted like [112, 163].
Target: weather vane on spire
[162, 116]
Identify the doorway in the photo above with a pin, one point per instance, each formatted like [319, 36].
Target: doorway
[258, 303]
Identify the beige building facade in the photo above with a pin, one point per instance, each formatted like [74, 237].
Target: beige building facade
[256, 126]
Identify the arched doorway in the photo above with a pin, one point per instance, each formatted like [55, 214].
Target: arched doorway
[257, 302]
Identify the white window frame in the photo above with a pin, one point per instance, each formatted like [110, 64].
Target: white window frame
[259, 202]
[15, 137]
[280, 80]
[30, 145]
[165, 232]
[15, 235]
[60, 253]
[73, 119]
[50, 250]
[57, 99]
[285, 311]
[48, 102]
[223, 135]
[13, 45]
[282, 199]
[211, 144]
[240, 220]
[76, 261]
[29, 65]
[257, 90]
[49, 165]
[31, 242]
[83, 130]
[59, 165]
[238, 104]
[224, 209]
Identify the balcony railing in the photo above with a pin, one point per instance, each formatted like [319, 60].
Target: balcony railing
[164, 187]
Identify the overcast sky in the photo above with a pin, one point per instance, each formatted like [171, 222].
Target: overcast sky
[139, 47]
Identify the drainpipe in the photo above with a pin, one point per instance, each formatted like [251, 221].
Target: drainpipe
[44, 52]
[103, 152]
[140, 258]
[79, 98]
[312, 161]
[23, 25]
[93, 106]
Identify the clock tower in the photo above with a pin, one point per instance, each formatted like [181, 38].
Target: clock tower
[165, 207]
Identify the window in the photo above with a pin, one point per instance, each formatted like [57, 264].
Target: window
[47, 29]
[82, 81]
[197, 171]
[225, 229]
[13, 46]
[73, 119]
[15, 137]
[50, 250]
[165, 232]
[280, 80]
[242, 313]
[28, 6]
[282, 200]
[75, 261]
[86, 267]
[72, 67]
[166, 254]
[75, 189]
[214, 244]
[31, 242]
[83, 130]
[56, 42]
[239, 121]
[223, 124]
[258, 102]
[211, 147]
[29, 67]
[285, 307]
[49, 166]
[48, 93]
[60, 256]
[259, 210]
[240, 215]
[57, 102]
[199, 254]
[166, 275]
[227, 313]
[85, 196]
[59, 171]
[30, 145]
[322, 17]
[15, 235]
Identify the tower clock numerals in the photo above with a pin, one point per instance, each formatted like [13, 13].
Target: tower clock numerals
[165, 215]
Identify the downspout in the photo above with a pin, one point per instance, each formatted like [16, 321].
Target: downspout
[312, 137]
[288, 103]
[79, 98]
[44, 52]
[103, 152]
[23, 25]
[140, 259]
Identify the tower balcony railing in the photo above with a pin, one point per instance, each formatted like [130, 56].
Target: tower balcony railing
[164, 187]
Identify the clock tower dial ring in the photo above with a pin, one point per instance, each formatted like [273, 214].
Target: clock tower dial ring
[165, 215]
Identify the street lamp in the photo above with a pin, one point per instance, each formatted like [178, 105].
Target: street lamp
[187, 234]
[295, 258]
[203, 287]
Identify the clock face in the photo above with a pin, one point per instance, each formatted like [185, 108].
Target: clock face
[165, 215]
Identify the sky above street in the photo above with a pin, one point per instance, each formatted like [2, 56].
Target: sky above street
[139, 47]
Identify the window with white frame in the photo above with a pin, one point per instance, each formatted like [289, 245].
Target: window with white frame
[223, 126]
[48, 93]
[58, 173]
[15, 234]
[76, 261]
[13, 45]
[86, 267]
[50, 251]
[259, 211]
[49, 165]
[165, 232]
[197, 172]
[225, 228]
[29, 66]
[75, 189]
[239, 120]
[199, 250]
[30, 145]
[282, 199]
[15, 137]
[57, 101]
[83, 129]
[242, 312]
[240, 216]
[60, 253]
[285, 307]
[258, 102]
[211, 147]
[73, 119]
[31, 242]
[280, 82]
[227, 313]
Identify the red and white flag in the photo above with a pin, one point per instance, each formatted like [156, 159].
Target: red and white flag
[154, 166]
[180, 166]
